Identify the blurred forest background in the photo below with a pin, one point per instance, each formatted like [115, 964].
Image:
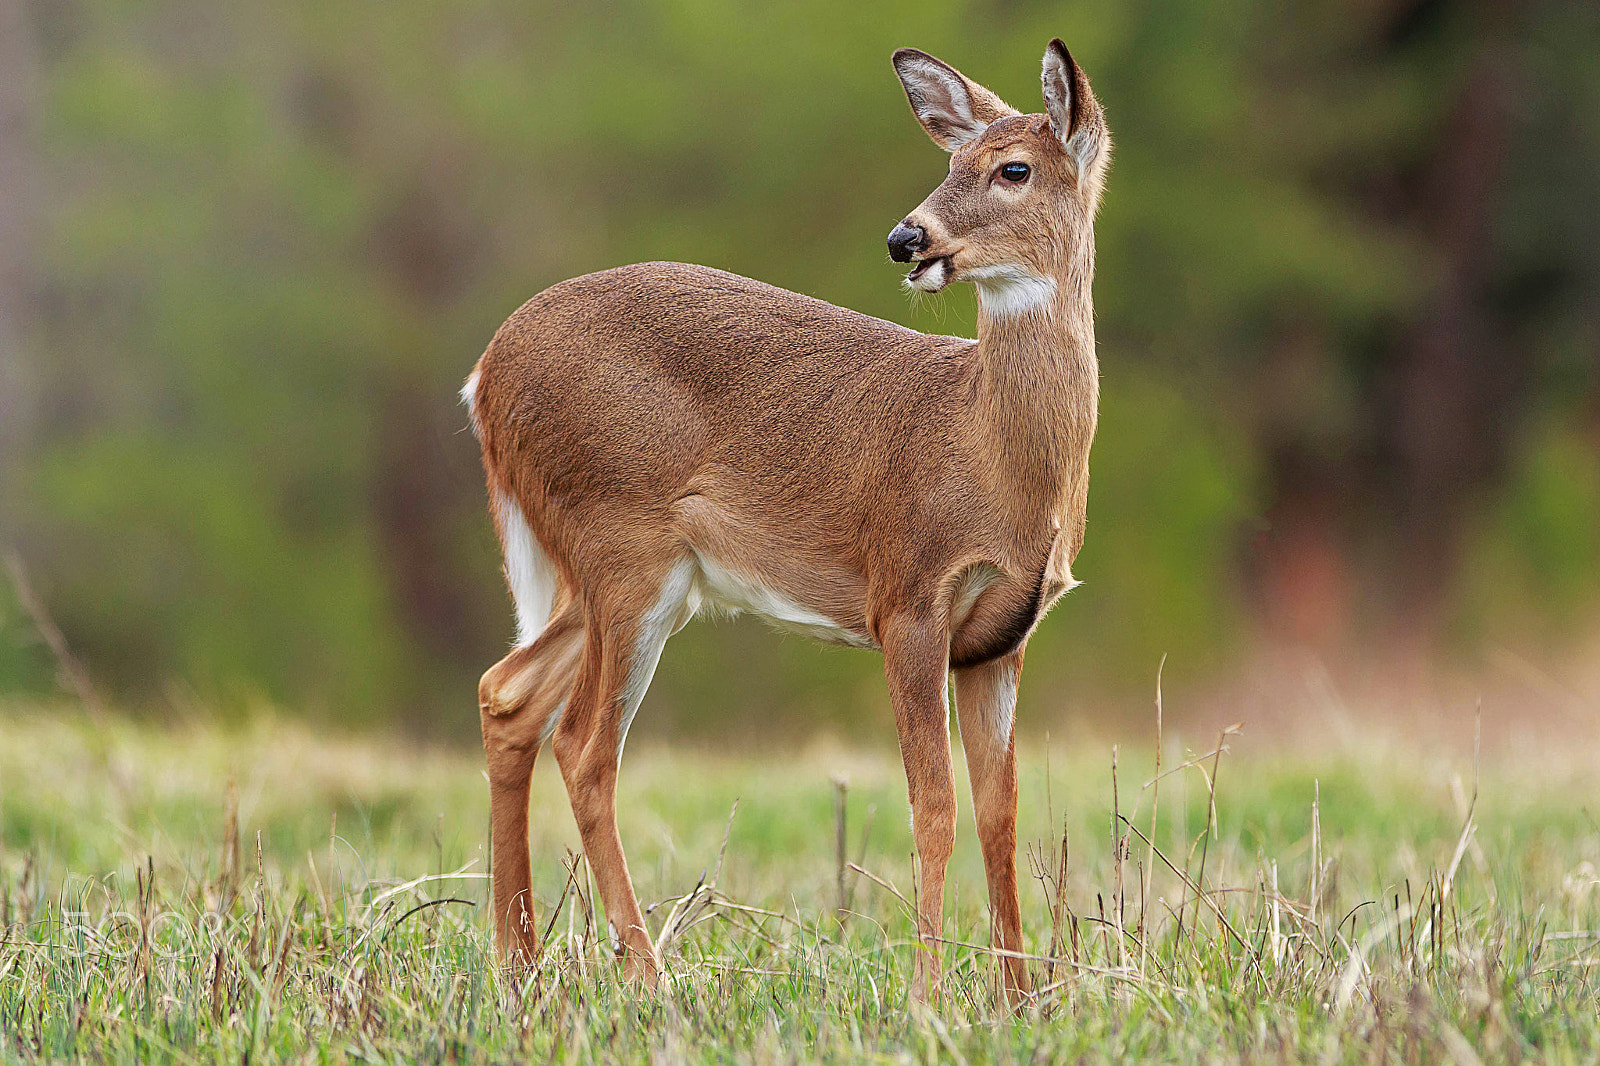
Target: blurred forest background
[1348, 302]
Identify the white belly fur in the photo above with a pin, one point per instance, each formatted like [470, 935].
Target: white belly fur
[720, 588]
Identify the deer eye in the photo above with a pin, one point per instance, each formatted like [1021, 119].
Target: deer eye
[1016, 173]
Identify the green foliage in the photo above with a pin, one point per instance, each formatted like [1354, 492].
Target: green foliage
[24, 660]
[277, 238]
[1534, 558]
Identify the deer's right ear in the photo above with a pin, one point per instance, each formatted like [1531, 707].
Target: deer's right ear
[953, 109]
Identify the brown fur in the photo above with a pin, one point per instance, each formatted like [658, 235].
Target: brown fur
[660, 415]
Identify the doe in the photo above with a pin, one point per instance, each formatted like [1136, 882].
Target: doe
[662, 438]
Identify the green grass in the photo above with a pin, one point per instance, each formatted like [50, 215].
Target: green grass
[349, 922]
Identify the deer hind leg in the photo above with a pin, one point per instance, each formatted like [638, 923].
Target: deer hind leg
[986, 700]
[520, 700]
[626, 632]
[916, 660]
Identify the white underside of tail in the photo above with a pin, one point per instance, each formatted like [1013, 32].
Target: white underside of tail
[469, 396]
[529, 571]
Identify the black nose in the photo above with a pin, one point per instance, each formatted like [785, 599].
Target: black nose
[905, 241]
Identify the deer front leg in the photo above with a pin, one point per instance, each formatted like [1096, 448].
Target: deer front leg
[986, 700]
[916, 657]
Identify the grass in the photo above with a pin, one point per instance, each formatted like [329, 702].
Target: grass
[189, 894]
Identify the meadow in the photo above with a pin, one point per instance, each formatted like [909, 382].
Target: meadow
[189, 893]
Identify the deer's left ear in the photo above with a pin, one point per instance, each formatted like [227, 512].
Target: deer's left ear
[1075, 114]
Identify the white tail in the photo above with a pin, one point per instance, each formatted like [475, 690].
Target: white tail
[660, 438]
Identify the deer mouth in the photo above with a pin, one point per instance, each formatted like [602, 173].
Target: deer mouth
[931, 275]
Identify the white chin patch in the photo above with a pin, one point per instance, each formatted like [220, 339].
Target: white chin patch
[931, 277]
[1008, 289]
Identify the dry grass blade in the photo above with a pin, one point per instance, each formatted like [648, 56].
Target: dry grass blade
[460, 873]
[1119, 855]
[687, 910]
[1211, 809]
[722, 852]
[1468, 826]
[1316, 846]
[425, 905]
[676, 921]
[1188, 764]
[567, 888]
[911, 908]
[1155, 810]
[1216, 909]
[1355, 967]
[841, 843]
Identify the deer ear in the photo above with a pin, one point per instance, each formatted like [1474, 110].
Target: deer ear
[951, 108]
[1075, 114]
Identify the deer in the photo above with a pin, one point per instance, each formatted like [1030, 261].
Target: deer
[663, 439]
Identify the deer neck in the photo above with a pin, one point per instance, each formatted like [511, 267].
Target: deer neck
[1038, 387]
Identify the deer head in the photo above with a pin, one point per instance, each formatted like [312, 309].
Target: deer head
[1017, 209]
